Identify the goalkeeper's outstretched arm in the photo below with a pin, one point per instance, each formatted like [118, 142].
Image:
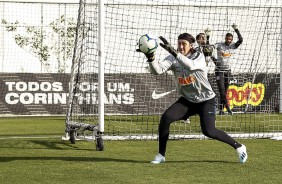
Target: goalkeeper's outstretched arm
[240, 38]
[207, 33]
[208, 39]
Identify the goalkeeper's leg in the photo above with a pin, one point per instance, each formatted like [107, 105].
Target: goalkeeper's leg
[221, 81]
[207, 120]
[177, 111]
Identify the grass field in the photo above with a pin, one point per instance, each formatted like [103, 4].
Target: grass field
[45, 158]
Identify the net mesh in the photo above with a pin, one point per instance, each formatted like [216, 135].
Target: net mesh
[131, 109]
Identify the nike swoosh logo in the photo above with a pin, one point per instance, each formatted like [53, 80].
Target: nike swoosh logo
[160, 95]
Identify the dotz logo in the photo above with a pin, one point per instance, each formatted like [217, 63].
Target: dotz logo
[252, 94]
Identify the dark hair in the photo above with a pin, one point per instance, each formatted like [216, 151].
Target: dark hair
[228, 34]
[187, 36]
[200, 35]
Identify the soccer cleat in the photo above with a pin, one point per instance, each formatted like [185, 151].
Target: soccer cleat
[186, 121]
[158, 159]
[242, 153]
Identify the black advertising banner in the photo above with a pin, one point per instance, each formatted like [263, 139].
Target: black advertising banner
[26, 93]
[31, 94]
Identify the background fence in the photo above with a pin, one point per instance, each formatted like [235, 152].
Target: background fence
[37, 37]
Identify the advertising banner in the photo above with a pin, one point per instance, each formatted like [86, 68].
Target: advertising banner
[31, 94]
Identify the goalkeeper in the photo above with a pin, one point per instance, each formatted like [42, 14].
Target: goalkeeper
[197, 97]
[225, 51]
[205, 47]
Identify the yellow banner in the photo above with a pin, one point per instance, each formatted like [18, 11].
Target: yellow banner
[252, 94]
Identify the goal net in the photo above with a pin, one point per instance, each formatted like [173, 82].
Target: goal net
[135, 99]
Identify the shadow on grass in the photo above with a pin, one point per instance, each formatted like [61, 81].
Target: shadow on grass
[50, 145]
[66, 145]
[69, 159]
[100, 159]
[203, 161]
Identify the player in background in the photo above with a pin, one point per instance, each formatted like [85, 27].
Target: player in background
[205, 47]
[225, 51]
[197, 97]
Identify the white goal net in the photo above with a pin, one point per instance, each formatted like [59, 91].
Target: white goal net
[135, 99]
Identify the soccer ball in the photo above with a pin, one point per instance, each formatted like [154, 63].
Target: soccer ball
[148, 44]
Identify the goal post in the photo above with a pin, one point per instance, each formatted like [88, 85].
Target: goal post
[101, 79]
[76, 127]
[115, 94]
[280, 102]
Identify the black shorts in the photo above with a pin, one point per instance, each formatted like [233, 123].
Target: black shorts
[183, 109]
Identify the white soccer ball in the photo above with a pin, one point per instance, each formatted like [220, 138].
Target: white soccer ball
[148, 44]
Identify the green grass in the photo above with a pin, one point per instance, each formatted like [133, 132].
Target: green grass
[120, 125]
[50, 160]
[32, 126]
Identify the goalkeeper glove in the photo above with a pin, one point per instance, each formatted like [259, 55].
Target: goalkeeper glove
[168, 47]
[234, 26]
[207, 32]
[150, 57]
[207, 50]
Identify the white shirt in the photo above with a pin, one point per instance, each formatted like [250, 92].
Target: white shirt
[191, 74]
[224, 56]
